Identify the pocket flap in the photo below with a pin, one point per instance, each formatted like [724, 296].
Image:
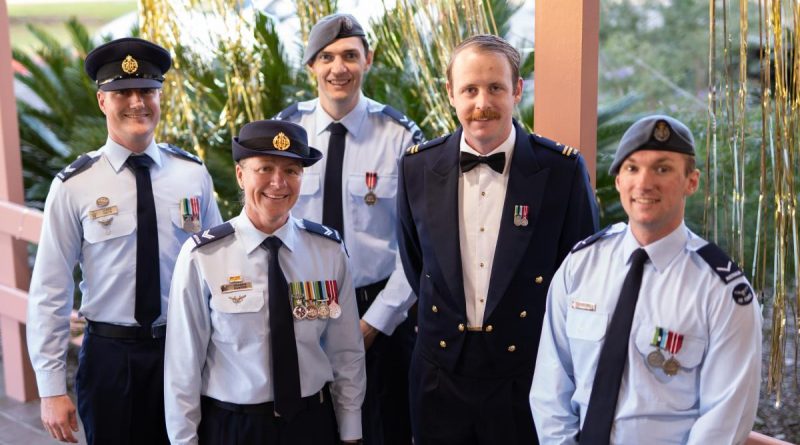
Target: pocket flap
[239, 302]
[386, 187]
[586, 325]
[104, 229]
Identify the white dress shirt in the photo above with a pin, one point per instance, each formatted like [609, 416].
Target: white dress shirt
[481, 195]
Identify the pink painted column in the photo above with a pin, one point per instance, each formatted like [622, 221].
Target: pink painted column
[14, 271]
[566, 45]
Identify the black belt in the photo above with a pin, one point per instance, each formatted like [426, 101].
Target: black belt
[125, 332]
[267, 408]
[366, 294]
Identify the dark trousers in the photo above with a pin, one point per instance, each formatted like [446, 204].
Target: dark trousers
[385, 415]
[229, 424]
[467, 407]
[120, 388]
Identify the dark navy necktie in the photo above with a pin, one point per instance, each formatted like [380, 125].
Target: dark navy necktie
[285, 368]
[332, 215]
[497, 161]
[148, 278]
[613, 356]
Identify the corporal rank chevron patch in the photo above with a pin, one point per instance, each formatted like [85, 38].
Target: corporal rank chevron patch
[212, 234]
[321, 230]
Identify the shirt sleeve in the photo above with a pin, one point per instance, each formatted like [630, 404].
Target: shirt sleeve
[390, 307]
[188, 334]
[730, 376]
[211, 216]
[556, 418]
[50, 297]
[344, 347]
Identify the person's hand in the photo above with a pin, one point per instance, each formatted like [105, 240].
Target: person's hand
[369, 333]
[59, 418]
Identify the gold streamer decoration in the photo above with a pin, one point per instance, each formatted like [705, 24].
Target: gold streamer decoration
[756, 134]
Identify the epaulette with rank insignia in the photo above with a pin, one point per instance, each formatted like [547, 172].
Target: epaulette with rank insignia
[414, 149]
[181, 153]
[416, 132]
[592, 239]
[83, 162]
[213, 234]
[286, 112]
[319, 229]
[728, 271]
[566, 150]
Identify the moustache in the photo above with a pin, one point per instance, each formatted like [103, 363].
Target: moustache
[483, 115]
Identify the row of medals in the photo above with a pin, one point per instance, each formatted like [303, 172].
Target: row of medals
[303, 310]
[520, 220]
[657, 360]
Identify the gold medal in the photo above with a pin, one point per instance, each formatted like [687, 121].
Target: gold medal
[517, 220]
[312, 312]
[299, 312]
[671, 366]
[324, 311]
[370, 198]
[523, 222]
[102, 201]
[655, 359]
[336, 310]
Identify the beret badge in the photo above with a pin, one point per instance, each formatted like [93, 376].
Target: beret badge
[281, 142]
[661, 131]
[348, 24]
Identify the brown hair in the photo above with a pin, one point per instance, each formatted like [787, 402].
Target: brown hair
[491, 44]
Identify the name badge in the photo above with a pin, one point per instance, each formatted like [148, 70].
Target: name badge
[236, 287]
[102, 213]
[583, 306]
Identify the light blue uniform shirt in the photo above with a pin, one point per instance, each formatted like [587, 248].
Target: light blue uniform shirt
[714, 395]
[106, 252]
[374, 143]
[220, 348]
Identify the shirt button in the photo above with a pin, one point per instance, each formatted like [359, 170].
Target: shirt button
[483, 193]
[539, 279]
[481, 264]
[523, 314]
[483, 229]
[512, 348]
[461, 327]
[489, 328]
[481, 300]
[434, 308]
[442, 344]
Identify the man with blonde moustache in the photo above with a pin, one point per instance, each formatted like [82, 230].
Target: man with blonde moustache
[354, 192]
[486, 214]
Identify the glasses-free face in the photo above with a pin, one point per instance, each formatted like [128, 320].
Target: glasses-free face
[131, 115]
[271, 185]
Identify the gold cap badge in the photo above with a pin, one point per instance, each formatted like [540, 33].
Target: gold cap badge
[661, 132]
[130, 65]
[281, 142]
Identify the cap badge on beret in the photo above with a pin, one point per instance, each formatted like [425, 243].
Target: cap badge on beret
[130, 65]
[281, 142]
[661, 131]
[348, 24]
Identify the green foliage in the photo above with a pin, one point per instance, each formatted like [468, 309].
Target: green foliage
[70, 122]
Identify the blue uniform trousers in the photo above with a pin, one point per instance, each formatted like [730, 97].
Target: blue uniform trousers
[231, 424]
[120, 388]
[471, 405]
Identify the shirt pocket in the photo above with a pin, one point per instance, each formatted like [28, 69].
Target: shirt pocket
[377, 219]
[585, 325]
[679, 391]
[586, 331]
[103, 229]
[239, 317]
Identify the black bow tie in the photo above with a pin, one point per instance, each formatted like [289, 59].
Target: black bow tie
[496, 161]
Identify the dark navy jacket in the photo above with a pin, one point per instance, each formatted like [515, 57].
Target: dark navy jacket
[551, 179]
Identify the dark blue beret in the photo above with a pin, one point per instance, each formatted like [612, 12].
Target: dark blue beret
[656, 132]
[328, 29]
[275, 138]
[127, 63]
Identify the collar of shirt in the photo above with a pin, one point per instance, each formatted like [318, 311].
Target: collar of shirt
[506, 147]
[353, 120]
[252, 237]
[117, 154]
[661, 252]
